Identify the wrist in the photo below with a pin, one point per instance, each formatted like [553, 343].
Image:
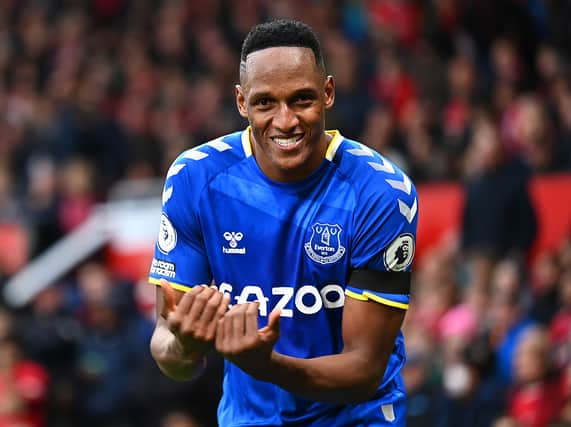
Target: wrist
[271, 371]
[186, 353]
[179, 363]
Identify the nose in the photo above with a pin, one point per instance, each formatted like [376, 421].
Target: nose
[285, 118]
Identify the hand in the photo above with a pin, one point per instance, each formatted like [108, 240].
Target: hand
[240, 341]
[193, 317]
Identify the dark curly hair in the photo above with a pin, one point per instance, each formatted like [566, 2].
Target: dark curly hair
[281, 32]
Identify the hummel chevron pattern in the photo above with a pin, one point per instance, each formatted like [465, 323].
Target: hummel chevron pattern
[408, 212]
[195, 155]
[175, 169]
[366, 151]
[167, 194]
[384, 167]
[219, 145]
[363, 151]
[404, 185]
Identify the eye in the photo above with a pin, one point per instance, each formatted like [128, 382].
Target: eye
[303, 99]
[263, 102]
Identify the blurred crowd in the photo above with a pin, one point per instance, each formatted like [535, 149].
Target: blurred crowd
[96, 92]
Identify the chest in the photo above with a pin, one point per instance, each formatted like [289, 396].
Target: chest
[278, 242]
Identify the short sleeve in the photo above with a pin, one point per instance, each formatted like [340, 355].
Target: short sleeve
[180, 255]
[385, 235]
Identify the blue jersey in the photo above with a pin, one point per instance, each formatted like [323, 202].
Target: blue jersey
[291, 246]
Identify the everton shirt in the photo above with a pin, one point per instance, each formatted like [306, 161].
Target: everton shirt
[291, 246]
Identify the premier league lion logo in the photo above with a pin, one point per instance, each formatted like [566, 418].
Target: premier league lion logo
[399, 254]
[324, 246]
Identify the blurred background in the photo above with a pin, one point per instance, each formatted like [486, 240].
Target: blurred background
[471, 97]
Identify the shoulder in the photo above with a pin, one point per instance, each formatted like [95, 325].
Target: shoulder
[195, 168]
[200, 164]
[371, 174]
[210, 157]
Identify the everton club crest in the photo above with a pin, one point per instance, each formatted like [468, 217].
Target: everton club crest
[324, 246]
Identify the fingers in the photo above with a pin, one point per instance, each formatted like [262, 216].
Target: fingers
[251, 320]
[187, 301]
[214, 305]
[228, 323]
[199, 303]
[238, 329]
[271, 331]
[203, 316]
[239, 320]
[169, 298]
[220, 335]
[218, 314]
[194, 319]
[176, 317]
[274, 320]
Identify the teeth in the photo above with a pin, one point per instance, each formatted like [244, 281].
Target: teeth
[286, 142]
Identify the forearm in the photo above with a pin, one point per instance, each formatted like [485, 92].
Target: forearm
[342, 378]
[171, 358]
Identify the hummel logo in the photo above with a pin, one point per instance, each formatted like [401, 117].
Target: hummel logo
[233, 237]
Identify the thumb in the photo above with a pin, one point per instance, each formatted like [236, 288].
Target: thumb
[169, 298]
[272, 329]
[274, 320]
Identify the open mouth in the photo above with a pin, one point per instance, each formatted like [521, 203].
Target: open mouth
[287, 143]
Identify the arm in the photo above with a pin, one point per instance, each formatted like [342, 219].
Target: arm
[185, 328]
[369, 333]
[186, 320]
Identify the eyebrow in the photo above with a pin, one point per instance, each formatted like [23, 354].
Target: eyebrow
[305, 91]
[302, 91]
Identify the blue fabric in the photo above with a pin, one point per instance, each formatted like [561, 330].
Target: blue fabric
[291, 246]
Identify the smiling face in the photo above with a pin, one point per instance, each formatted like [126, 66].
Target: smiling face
[284, 94]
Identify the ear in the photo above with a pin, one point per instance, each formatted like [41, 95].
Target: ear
[329, 89]
[241, 101]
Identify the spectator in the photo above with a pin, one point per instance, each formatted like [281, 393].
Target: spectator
[472, 394]
[23, 387]
[498, 217]
[99, 91]
[545, 273]
[538, 397]
[50, 334]
[110, 351]
[421, 384]
[507, 318]
[560, 326]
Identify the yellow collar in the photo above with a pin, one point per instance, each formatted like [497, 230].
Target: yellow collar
[329, 154]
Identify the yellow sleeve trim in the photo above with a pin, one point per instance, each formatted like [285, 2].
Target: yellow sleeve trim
[366, 296]
[177, 286]
[385, 301]
[355, 295]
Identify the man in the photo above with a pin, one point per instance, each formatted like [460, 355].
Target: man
[307, 235]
